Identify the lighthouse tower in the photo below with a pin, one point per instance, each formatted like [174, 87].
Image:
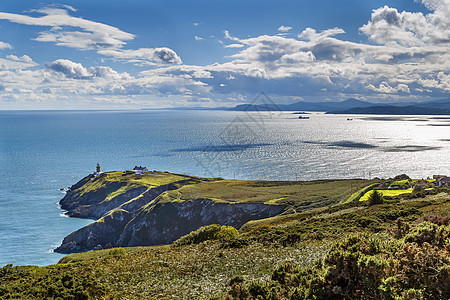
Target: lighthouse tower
[98, 169]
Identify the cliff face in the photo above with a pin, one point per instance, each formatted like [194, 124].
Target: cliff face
[162, 223]
[138, 216]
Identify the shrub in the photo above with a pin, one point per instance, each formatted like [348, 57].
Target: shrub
[206, 233]
[117, 252]
[367, 267]
[427, 232]
[375, 198]
[438, 220]
[401, 177]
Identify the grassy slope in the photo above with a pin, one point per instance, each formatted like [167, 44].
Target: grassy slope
[202, 270]
[295, 194]
[125, 182]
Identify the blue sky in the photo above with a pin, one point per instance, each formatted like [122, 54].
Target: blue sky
[133, 54]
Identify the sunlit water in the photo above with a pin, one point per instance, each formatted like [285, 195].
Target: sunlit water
[41, 152]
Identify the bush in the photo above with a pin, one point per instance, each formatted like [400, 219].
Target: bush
[375, 198]
[366, 267]
[117, 252]
[427, 232]
[207, 233]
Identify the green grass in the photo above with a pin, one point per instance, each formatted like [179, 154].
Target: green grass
[360, 193]
[389, 193]
[297, 195]
[128, 181]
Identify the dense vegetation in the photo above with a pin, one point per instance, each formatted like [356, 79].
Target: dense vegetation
[398, 249]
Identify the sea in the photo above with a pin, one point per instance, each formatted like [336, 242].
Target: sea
[42, 152]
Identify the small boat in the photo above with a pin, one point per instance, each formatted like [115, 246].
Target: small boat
[302, 117]
[349, 119]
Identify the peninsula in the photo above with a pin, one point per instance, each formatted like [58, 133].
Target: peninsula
[153, 208]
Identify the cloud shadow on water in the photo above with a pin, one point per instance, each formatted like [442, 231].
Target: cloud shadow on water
[344, 144]
[358, 145]
[222, 148]
[410, 148]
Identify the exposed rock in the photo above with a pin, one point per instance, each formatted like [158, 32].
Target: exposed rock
[137, 217]
[98, 233]
[166, 222]
[163, 223]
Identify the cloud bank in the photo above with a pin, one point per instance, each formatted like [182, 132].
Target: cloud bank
[68, 31]
[405, 56]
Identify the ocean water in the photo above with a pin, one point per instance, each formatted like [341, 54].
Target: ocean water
[43, 151]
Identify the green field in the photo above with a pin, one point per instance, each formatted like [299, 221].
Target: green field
[128, 181]
[389, 193]
[295, 194]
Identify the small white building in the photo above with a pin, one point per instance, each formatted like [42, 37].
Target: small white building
[138, 170]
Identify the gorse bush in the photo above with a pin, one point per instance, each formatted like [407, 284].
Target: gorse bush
[117, 252]
[207, 233]
[366, 267]
[50, 283]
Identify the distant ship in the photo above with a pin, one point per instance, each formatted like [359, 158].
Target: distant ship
[302, 117]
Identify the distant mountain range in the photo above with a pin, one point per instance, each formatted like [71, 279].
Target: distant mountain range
[354, 106]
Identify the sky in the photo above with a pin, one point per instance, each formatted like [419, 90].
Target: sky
[163, 53]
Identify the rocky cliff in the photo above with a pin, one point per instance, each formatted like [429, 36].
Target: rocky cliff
[136, 214]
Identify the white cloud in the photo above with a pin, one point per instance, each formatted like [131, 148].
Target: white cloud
[385, 88]
[69, 69]
[407, 61]
[197, 38]
[284, 28]
[312, 34]
[73, 70]
[13, 62]
[234, 46]
[95, 35]
[105, 39]
[159, 55]
[23, 58]
[388, 26]
[229, 37]
[201, 74]
[4, 45]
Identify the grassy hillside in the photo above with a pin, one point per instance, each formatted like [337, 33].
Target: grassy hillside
[295, 194]
[299, 193]
[395, 250]
[126, 181]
